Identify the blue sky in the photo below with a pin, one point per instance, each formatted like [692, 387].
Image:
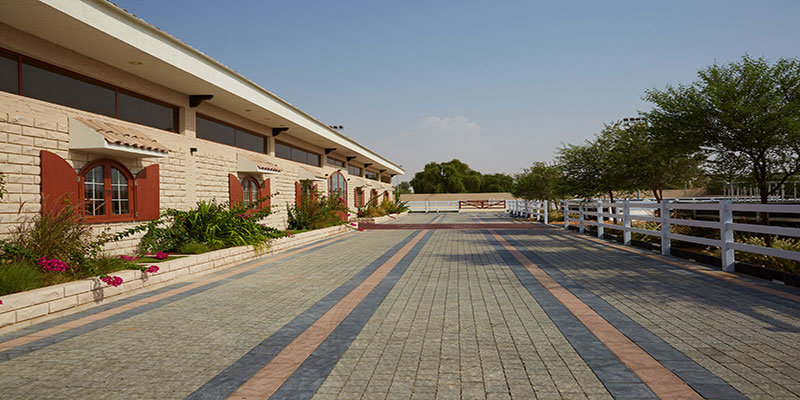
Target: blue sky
[496, 84]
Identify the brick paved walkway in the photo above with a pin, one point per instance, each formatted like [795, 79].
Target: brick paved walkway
[484, 311]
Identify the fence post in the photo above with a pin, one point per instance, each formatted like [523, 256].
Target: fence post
[426, 206]
[726, 235]
[546, 208]
[580, 218]
[665, 244]
[626, 223]
[565, 209]
[600, 219]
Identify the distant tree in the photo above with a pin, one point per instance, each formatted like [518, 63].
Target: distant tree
[449, 177]
[403, 188]
[744, 115]
[495, 183]
[539, 182]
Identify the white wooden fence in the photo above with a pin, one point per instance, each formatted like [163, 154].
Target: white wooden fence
[627, 211]
[433, 206]
[529, 209]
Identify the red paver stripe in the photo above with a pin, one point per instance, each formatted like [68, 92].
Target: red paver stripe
[270, 378]
[726, 276]
[22, 340]
[663, 383]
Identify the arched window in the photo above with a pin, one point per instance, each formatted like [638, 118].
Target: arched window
[107, 193]
[249, 190]
[337, 187]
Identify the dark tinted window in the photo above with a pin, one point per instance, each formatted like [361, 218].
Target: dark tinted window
[295, 154]
[371, 175]
[146, 112]
[214, 131]
[386, 179]
[9, 77]
[335, 162]
[283, 151]
[353, 170]
[249, 141]
[61, 89]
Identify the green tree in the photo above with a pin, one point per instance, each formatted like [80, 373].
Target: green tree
[539, 182]
[449, 177]
[587, 169]
[744, 115]
[495, 183]
[642, 160]
[403, 188]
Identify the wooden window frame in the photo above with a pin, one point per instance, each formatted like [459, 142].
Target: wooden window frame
[75, 75]
[254, 196]
[377, 175]
[107, 195]
[343, 192]
[235, 128]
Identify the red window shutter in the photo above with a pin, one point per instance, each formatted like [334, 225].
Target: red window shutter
[314, 193]
[59, 184]
[263, 191]
[148, 194]
[298, 194]
[235, 190]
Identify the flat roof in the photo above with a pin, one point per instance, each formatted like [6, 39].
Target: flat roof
[105, 32]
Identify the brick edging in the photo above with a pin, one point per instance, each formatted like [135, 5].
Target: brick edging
[23, 309]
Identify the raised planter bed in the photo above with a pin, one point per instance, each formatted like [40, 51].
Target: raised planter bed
[23, 309]
[381, 220]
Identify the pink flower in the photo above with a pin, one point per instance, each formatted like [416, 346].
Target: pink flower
[1, 302]
[112, 280]
[152, 269]
[161, 256]
[128, 258]
[341, 200]
[361, 229]
[54, 265]
[353, 224]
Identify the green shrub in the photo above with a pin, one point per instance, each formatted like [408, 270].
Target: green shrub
[780, 264]
[61, 236]
[315, 211]
[212, 225]
[193, 247]
[19, 276]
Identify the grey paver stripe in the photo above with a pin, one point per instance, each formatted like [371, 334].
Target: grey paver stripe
[700, 379]
[59, 337]
[308, 378]
[615, 376]
[230, 379]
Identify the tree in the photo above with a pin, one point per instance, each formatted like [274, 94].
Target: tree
[745, 115]
[403, 188]
[641, 160]
[495, 183]
[587, 170]
[449, 177]
[539, 182]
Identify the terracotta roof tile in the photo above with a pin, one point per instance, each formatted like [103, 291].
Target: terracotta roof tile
[118, 134]
[263, 164]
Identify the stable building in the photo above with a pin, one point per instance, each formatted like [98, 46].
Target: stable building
[103, 109]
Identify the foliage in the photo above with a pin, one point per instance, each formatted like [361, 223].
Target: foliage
[209, 223]
[372, 209]
[402, 188]
[587, 170]
[315, 210]
[745, 115]
[61, 236]
[776, 263]
[643, 160]
[457, 177]
[18, 276]
[539, 182]
[194, 247]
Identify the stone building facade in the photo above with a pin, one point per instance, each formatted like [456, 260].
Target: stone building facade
[195, 160]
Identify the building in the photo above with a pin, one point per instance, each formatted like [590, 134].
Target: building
[98, 106]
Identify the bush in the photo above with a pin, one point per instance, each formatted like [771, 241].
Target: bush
[19, 276]
[315, 211]
[372, 209]
[60, 236]
[210, 225]
[193, 247]
[779, 264]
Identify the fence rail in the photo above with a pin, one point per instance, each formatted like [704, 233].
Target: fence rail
[619, 216]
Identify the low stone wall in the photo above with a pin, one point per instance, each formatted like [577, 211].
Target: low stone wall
[381, 220]
[23, 309]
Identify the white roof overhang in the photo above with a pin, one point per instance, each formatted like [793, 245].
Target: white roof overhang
[103, 31]
[82, 137]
